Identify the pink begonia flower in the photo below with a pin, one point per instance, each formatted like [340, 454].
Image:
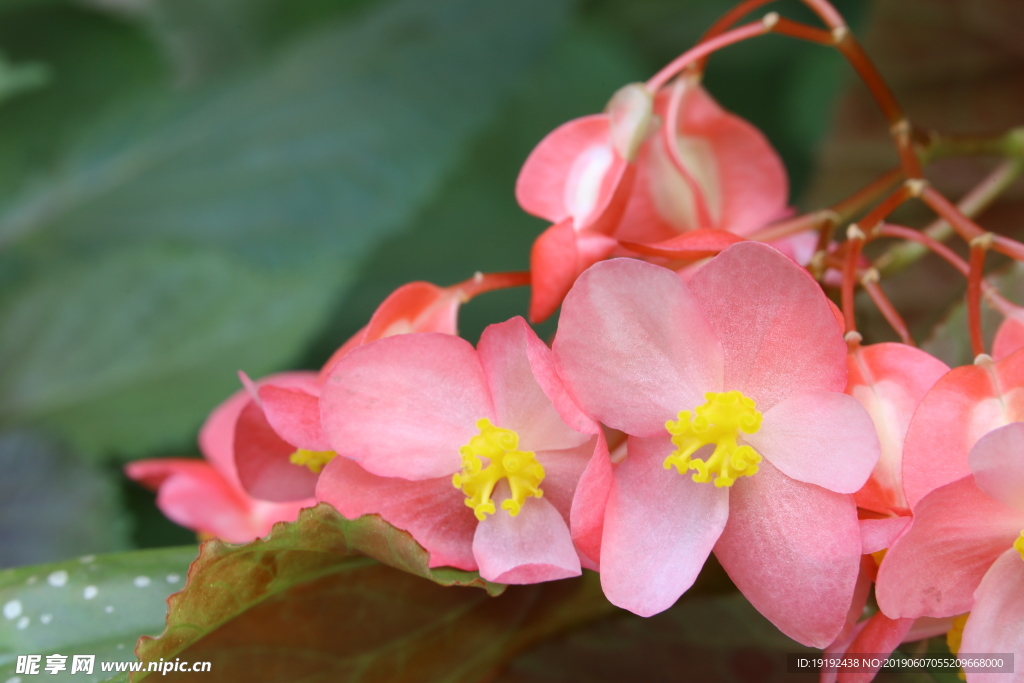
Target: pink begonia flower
[1009, 337]
[475, 452]
[279, 428]
[965, 404]
[206, 495]
[747, 357]
[625, 176]
[964, 552]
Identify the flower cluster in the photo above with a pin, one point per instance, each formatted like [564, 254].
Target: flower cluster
[698, 396]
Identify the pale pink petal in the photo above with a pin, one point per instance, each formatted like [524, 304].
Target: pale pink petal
[634, 348]
[562, 472]
[890, 380]
[997, 461]
[820, 437]
[879, 534]
[964, 405]
[193, 494]
[512, 356]
[934, 567]
[996, 624]
[404, 405]
[432, 510]
[570, 168]
[295, 416]
[586, 518]
[659, 528]
[531, 547]
[880, 636]
[774, 322]
[1009, 338]
[793, 549]
[262, 459]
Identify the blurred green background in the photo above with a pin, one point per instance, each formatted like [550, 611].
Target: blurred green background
[193, 187]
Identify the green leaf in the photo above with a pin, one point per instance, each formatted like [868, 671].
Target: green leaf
[16, 79]
[93, 605]
[52, 505]
[194, 234]
[303, 605]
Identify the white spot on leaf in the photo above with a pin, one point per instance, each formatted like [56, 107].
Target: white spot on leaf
[108, 609]
[86, 559]
[90, 592]
[141, 581]
[58, 578]
[12, 610]
[173, 578]
[23, 623]
[45, 619]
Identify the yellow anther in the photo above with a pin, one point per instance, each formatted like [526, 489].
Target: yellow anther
[505, 461]
[1018, 545]
[717, 422]
[314, 460]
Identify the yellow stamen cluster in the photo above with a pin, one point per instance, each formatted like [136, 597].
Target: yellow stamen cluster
[1018, 545]
[314, 460]
[717, 422]
[506, 461]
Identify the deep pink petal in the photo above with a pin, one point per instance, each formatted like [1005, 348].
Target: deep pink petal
[634, 348]
[557, 258]
[820, 437]
[997, 461]
[774, 322]
[194, 494]
[432, 510]
[794, 551]
[659, 528]
[879, 534]
[964, 405]
[890, 380]
[880, 636]
[996, 623]
[589, 503]
[404, 405]
[531, 547]
[262, 458]
[934, 567]
[512, 356]
[217, 435]
[295, 416]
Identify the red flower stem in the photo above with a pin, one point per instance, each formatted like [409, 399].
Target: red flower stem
[964, 226]
[792, 226]
[979, 247]
[854, 243]
[870, 283]
[794, 29]
[900, 232]
[847, 208]
[873, 218]
[701, 50]
[488, 282]
[1008, 247]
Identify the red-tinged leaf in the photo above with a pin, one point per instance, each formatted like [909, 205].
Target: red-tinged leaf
[308, 603]
[689, 246]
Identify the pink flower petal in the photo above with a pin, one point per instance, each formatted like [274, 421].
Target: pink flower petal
[794, 550]
[557, 258]
[586, 519]
[262, 459]
[404, 405]
[880, 636]
[512, 356]
[890, 380]
[964, 405]
[634, 348]
[1009, 338]
[531, 547]
[879, 534]
[659, 528]
[934, 567]
[295, 416]
[774, 322]
[997, 461]
[432, 510]
[996, 624]
[820, 437]
[562, 472]
[572, 172]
